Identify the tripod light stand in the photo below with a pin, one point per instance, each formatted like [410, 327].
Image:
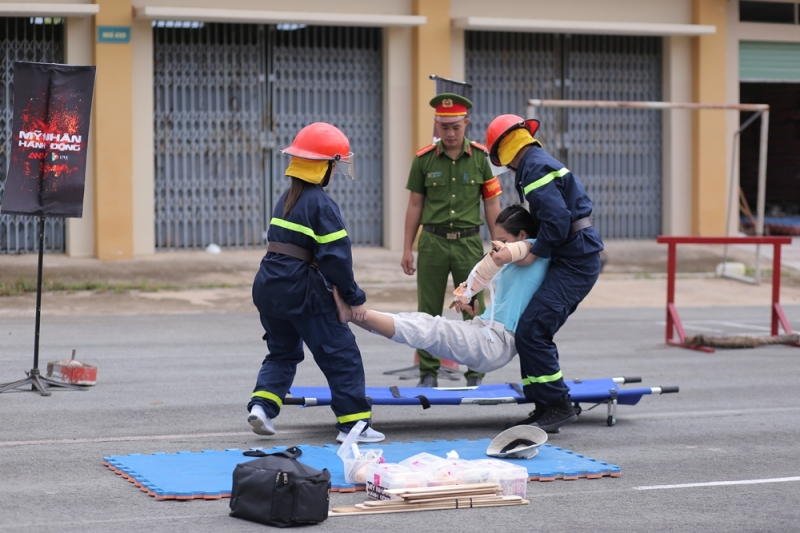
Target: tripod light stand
[35, 379]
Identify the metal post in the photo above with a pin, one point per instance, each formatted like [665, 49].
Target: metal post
[762, 187]
[776, 288]
[733, 186]
[671, 263]
[38, 296]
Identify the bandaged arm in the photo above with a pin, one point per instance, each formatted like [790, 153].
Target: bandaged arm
[510, 252]
[489, 266]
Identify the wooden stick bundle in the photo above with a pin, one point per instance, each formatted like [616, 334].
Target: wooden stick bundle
[434, 498]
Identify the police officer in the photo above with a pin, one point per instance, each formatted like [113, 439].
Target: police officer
[308, 253]
[558, 201]
[447, 181]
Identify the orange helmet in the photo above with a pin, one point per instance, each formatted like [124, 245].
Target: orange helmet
[321, 141]
[502, 126]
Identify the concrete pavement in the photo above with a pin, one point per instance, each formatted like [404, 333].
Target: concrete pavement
[718, 456]
[176, 368]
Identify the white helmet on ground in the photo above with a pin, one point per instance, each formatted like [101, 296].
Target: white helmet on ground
[519, 442]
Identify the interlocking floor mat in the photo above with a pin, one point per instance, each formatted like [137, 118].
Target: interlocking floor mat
[208, 474]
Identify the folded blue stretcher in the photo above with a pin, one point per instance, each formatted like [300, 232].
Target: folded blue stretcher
[590, 391]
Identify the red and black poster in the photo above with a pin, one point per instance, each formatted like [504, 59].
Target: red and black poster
[49, 138]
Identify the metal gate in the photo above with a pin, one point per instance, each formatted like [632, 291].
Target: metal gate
[25, 39]
[209, 85]
[228, 95]
[334, 75]
[615, 152]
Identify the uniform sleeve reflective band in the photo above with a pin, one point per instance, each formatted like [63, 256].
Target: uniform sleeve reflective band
[321, 239]
[547, 178]
[352, 418]
[268, 396]
[542, 379]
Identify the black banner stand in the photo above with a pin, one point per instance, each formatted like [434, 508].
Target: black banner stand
[52, 110]
[35, 379]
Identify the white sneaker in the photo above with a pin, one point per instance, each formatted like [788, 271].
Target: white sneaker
[368, 435]
[262, 425]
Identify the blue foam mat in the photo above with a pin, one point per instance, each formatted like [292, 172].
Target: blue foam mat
[203, 475]
[208, 474]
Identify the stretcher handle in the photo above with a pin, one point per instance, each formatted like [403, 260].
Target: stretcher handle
[667, 390]
[294, 400]
[624, 380]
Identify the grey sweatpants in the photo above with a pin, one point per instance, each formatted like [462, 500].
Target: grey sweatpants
[465, 342]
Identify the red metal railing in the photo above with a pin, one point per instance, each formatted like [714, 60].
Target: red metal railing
[673, 320]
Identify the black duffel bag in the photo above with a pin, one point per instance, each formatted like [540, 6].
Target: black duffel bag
[278, 490]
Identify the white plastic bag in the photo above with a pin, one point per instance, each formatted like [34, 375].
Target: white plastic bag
[355, 462]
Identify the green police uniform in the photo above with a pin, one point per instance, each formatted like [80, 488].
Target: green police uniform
[451, 218]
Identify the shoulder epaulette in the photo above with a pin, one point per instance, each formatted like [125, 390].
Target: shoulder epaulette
[423, 151]
[478, 145]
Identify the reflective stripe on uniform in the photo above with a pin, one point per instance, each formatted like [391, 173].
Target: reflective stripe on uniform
[321, 239]
[366, 415]
[268, 396]
[547, 178]
[542, 379]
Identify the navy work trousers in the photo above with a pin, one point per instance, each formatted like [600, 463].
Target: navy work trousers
[335, 352]
[567, 283]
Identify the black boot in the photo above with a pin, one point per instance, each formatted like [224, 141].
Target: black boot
[533, 416]
[555, 416]
[427, 380]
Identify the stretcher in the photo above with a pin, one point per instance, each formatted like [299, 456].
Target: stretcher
[587, 391]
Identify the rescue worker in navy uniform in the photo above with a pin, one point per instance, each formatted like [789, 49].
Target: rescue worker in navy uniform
[309, 252]
[447, 181]
[558, 201]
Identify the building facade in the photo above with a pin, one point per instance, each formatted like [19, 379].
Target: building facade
[193, 102]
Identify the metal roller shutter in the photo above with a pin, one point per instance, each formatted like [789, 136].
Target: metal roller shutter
[505, 71]
[769, 62]
[228, 96]
[334, 74]
[25, 39]
[209, 85]
[616, 153]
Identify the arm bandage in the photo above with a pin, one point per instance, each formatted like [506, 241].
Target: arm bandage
[518, 249]
[480, 276]
[486, 269]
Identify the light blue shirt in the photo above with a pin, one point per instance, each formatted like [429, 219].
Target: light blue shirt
[514, 289]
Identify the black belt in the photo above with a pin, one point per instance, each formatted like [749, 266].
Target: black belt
[581, 223]
[292, 250]
[452, 234]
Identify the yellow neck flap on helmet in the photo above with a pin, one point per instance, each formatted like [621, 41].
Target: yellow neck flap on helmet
[307, 169]
[513, 143]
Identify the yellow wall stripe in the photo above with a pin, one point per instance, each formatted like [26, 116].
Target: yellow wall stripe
[268, 396]
[547, 178]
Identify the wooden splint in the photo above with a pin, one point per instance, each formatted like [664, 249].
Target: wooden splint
[434, 498]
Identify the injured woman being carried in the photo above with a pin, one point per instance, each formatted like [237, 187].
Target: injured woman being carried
[486, 342]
